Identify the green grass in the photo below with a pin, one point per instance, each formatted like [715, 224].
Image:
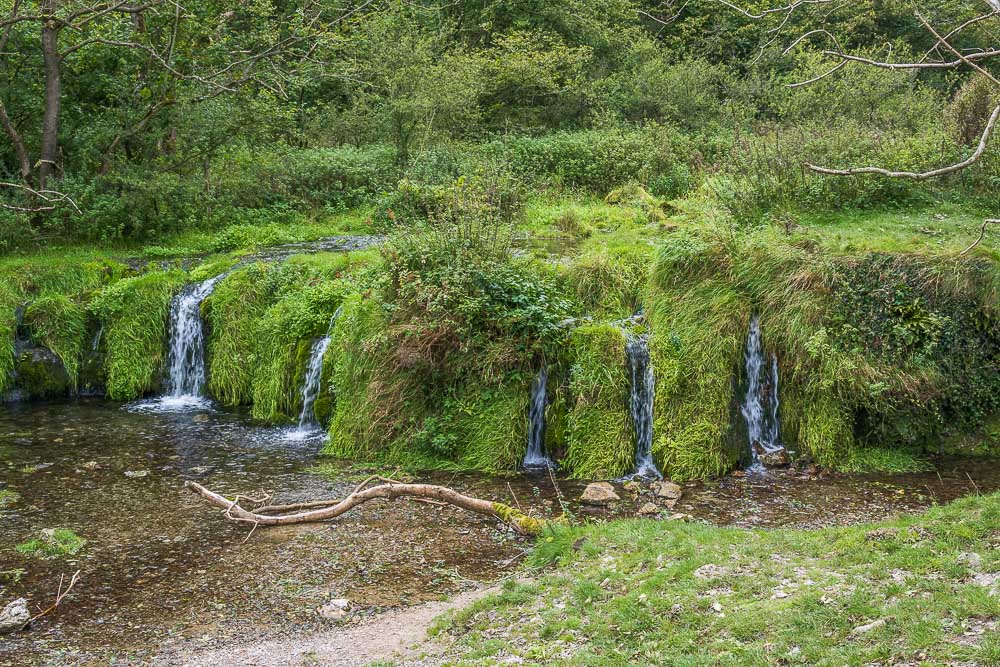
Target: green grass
[639, 592]
[600, 441]
[60, 324]
[135, 312]
[53, 544]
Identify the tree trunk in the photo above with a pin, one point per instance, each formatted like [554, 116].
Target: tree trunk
[49, 152]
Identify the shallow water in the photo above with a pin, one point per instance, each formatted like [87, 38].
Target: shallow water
[163, 571]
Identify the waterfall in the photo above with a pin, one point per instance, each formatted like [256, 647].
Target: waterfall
[536, 456]
[308, 426]
[760, 405]
[641, 403]
[186, 362]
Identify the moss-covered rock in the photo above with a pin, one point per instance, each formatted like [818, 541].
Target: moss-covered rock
[39, 373]
[600, 441]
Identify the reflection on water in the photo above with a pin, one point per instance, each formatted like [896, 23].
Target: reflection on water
[161, 568]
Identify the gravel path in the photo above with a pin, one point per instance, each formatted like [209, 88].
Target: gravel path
[399, 635]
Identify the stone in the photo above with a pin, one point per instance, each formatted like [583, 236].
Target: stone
[771, 458]
[667, 489]
[14, 616]
[868, 627]
[649, 509]
[971, 560]
[91, 465]
[633, 487]
[599, 493]
[136, 474]
[710, 571]
[336, 609]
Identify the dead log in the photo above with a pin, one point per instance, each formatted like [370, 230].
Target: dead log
[388, 490]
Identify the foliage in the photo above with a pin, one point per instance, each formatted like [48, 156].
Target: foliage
[52, 544]
[135, 312]
[60, 325]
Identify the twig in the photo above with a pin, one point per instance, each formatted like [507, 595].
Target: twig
[513, 495]
[60, 594]
[974, 485]
[982, 235]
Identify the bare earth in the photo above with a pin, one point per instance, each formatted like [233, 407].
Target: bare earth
[399, 635]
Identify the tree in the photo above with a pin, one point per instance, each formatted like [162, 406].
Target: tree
[962, 46]
[162, 52]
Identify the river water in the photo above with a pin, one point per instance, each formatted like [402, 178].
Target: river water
[162, 571]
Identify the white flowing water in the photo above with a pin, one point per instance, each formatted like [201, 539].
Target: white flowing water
[308, 426]
[186, 358]
[760, 405]
[536, 456]
[641, 404]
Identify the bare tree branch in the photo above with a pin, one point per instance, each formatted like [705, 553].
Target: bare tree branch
[982, 235]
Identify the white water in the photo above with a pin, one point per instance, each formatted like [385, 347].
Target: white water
[641, 404]
[309, 427]
[760, 405]
[536, 456]
[186, 359]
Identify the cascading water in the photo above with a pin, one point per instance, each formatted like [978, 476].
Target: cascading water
[308, 425]
[641, 403]
[186, 363]
[536, 456]
[186, 357]
[760, 405]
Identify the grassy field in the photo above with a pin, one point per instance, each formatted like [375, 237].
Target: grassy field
[921, 590]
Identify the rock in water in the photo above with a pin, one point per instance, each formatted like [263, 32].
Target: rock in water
[667, 489]
[14, 616]
[599, 493]
[771, 458]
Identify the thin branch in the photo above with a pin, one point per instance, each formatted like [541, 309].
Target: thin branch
[51, 197]
[965, 59]
[978, 153]
[982, 235]
[60, 594]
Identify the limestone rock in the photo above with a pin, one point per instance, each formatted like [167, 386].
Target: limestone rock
[667, 489]
[335, 610]
[14, 616]
[599, 493]
[649, 509]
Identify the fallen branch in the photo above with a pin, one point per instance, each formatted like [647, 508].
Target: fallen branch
[388, 490]
[982, 235]
[60, 594]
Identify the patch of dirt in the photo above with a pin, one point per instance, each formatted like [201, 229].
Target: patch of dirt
[398, 635]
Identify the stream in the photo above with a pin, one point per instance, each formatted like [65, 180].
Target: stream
[162, 572]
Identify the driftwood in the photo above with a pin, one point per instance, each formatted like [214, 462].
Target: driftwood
[323, 510]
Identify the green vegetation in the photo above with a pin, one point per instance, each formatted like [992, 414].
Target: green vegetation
[8, 498]
[53, 543]
[675, 593]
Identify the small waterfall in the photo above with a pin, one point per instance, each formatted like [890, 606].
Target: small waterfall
[760, 405]
[186, 363]
[536, 456]
[641, 403]
[308, 426]
[95, 342]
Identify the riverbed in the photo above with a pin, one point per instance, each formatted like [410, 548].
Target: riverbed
[163, 573]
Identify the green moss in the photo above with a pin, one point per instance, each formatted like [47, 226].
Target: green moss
[233, 315]
[609, 280]
[59, 324]
[8, 324]
[53, 544]
[600, 442]
[491, 423]
[136, 312]
[284, 340]
[41, 375]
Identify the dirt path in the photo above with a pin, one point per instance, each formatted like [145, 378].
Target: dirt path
[397, 635]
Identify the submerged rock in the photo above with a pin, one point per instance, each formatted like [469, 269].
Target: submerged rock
[14, 616]
[136, 474]
[770, 458]
[599, 493]
[667, 489]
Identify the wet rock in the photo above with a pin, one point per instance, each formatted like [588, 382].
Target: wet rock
[649, 509]
[336, 609]
[667, 489]
[771, 458]
[599, 493]
[136, 474]
[91, 465]
[633, 487]
[679, 516]
[14, 616]
[199, 419]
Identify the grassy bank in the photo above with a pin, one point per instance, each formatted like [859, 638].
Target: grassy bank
[918, 590]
